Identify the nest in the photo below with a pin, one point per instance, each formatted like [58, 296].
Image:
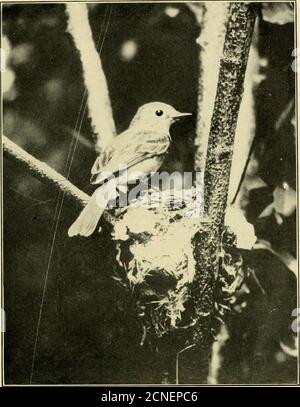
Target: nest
[156, 261]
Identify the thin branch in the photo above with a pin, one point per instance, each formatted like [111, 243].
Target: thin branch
[198, 9]
[98, 100]
[217, 357]
[47, 175]
[246, 124]
[42, 171]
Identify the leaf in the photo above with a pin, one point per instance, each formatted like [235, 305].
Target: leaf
[278, 13]
[244, 231]
[284, 199]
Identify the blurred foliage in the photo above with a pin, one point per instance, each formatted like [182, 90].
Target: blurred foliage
[86, 334]
[279, 13]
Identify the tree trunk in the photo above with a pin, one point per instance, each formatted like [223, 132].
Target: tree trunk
[217, 173]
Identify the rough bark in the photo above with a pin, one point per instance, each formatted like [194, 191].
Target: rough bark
[206, 251]
[217, 173]
[226, 109]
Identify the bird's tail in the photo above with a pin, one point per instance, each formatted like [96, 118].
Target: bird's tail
[88, 219]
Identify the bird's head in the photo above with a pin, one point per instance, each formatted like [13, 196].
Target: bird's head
[156, 116]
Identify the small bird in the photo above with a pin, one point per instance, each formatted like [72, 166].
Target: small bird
[139, 149]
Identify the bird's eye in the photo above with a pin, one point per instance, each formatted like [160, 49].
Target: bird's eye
[159, 112]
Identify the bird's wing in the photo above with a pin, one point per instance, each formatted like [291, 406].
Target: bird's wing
[102, 159]
[129, 149]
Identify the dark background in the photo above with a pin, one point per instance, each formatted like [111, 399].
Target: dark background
[86, 335]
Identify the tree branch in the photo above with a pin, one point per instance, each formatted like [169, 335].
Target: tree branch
[217, 172]
[42, 171]
[226, 109]
[98, 99]
[246, 123]
[212, 19]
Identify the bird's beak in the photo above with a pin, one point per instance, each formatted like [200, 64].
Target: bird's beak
[178, 115]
